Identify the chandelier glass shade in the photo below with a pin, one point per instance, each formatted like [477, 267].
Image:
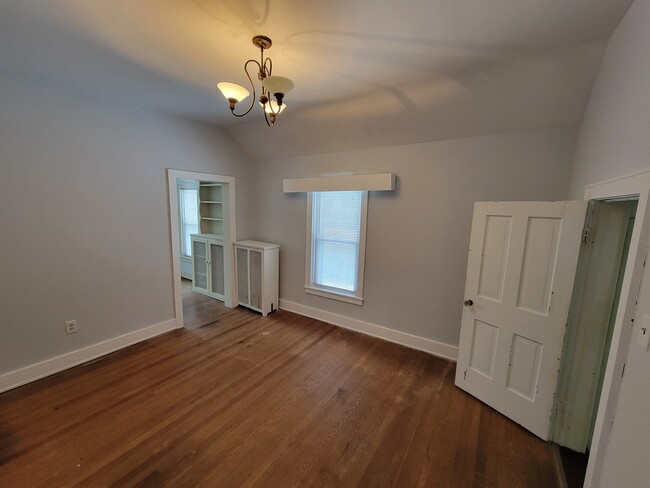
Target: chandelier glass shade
[273, 108]
[272, 88]
[232, 90]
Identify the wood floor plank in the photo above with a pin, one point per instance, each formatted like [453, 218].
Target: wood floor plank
[334, 420]
[465, 458]
[179, 429]
[415, 457]
[396, 427]
[240, 442]
[66, 414]
[245, 401]
[269, 438]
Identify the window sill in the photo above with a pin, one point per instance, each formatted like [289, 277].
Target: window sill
[334, 295]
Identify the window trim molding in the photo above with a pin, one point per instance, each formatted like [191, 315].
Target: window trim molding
[334, 294]
[355, 298]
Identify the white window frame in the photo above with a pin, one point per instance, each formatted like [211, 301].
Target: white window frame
[354, 297]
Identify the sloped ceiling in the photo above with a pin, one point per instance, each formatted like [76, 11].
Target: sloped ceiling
[367, 72]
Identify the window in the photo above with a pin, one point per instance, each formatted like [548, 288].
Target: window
[187, 199]
[336, 244]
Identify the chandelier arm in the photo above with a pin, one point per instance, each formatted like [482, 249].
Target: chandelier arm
[268, 70]
[252, 87]
[268, 95]
[267, 119]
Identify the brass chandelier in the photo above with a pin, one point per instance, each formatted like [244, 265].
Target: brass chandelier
[273, 88]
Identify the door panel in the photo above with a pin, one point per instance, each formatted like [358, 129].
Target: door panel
[540, 252]
[495, 252]
[524, 366]
[484, 347]
[200, 266]
[217, 285]
[520, 273]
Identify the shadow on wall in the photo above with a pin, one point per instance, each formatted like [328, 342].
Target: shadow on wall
[510, 95]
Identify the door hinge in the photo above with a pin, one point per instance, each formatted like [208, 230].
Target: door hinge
[585, 234]
[465, 375]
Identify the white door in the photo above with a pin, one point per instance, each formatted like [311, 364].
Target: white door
[520, 272]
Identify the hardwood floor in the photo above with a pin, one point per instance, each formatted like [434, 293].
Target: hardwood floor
[279, 401]
[198, 310]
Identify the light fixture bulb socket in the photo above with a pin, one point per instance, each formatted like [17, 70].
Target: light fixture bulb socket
[279, 97]
[232, 102]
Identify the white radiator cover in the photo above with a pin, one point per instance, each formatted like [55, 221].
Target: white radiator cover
[258, 268]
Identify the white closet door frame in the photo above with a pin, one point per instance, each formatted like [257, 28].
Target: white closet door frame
[632, 185]
[173, 175]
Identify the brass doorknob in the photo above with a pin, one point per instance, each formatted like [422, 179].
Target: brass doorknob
[468, 303]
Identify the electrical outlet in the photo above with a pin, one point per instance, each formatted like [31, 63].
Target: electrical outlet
[71, 327]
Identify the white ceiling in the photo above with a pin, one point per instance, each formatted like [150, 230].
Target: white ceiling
[366, 72]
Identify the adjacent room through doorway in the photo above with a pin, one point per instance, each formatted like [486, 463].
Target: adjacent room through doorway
[202, 221]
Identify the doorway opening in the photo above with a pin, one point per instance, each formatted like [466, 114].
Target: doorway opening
[203, 231]
[590, 327]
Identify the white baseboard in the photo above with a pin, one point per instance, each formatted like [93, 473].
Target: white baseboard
[34, 372]
[409, 340]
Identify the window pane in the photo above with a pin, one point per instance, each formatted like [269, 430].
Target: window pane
[189, 218]
[335, 241]
[336, 265]
[190, 213]
[189, 229]
[339, 215]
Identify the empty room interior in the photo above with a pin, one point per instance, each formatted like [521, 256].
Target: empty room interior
[280, 243]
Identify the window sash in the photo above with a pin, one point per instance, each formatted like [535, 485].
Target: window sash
[333, 276]
[346, 282]
[188, 214]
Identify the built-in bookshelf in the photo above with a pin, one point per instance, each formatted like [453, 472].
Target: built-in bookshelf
[211, 208]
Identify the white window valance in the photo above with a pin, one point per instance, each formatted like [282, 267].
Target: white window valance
[373, 182]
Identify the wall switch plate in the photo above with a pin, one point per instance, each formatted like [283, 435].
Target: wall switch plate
[71, 327]
[644, 332]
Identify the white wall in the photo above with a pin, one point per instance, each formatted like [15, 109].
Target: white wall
[418, 236]
[615, 132]
[614, 140]
[84, 217]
